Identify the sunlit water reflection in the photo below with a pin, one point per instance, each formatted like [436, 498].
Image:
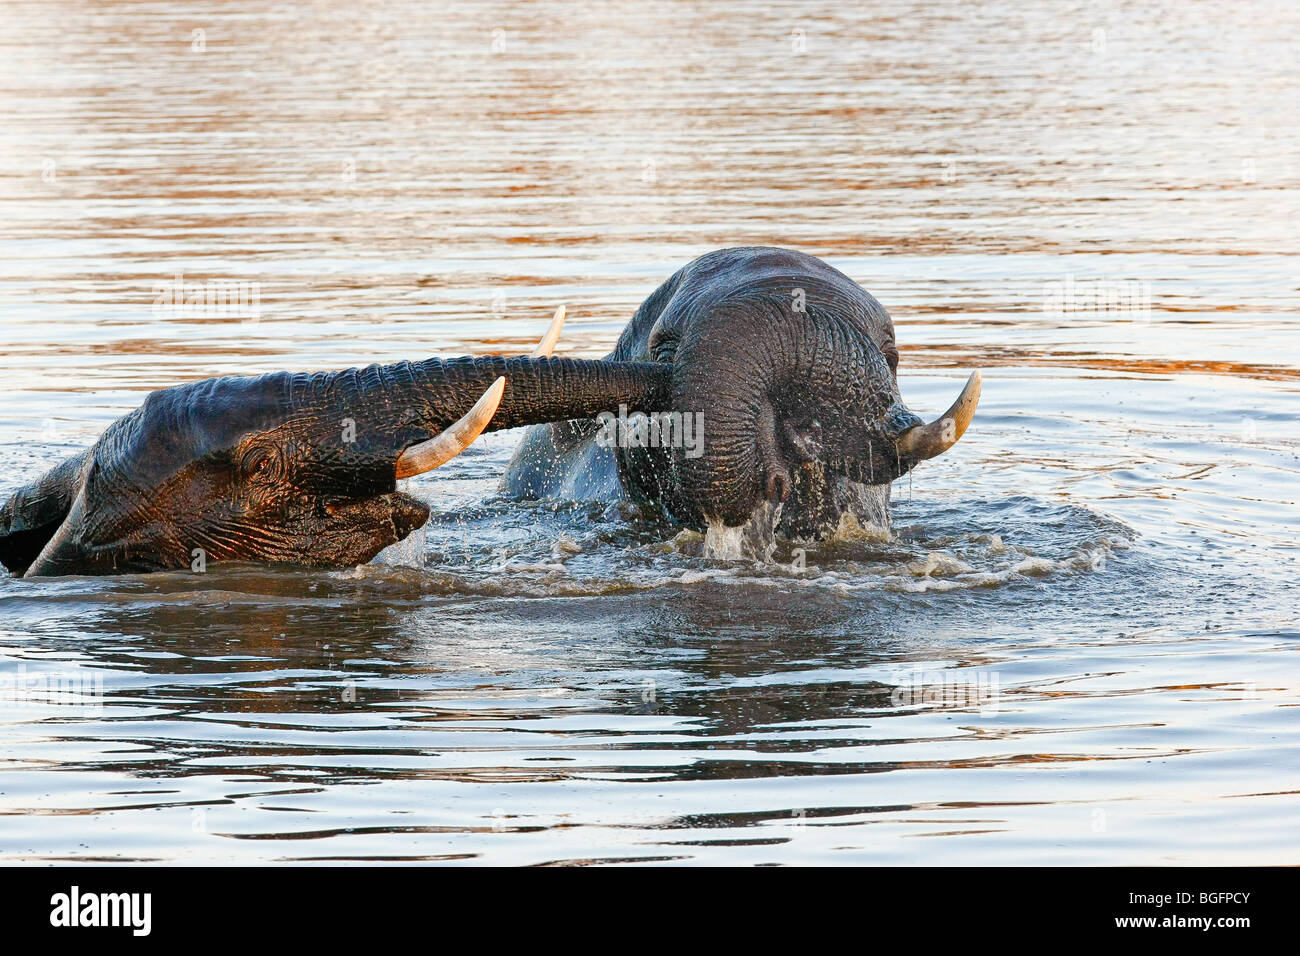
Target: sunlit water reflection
[1078, 641]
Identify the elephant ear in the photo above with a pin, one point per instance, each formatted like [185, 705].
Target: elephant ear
[35, 512]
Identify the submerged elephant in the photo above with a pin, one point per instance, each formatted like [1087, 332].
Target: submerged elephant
[783, 381]
[289, 467]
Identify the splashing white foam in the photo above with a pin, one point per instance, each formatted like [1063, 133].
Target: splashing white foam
[939, 564]
[851, 528]
[755, 540]
[407, 553]
[868, 504]
[942, 571]
[722, 543]
[565, 546]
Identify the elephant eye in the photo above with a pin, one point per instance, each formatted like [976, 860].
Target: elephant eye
[891, 356]
[260, 462]
[663, 344]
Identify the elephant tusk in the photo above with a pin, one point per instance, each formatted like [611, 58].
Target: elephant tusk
[927, 441]
[454, 439]
[547, 345]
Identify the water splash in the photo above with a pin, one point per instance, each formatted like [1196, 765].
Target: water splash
[723, 543]
[409, 552]
[868, 505]
[853, 529]
[755, 540]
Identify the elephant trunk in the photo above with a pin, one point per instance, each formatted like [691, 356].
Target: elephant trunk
[790, 400]
[764, 384]
[399, 406]
[541, 389]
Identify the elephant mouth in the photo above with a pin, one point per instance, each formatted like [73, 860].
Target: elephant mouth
[822, 494]
[353, 531]
[815, 476]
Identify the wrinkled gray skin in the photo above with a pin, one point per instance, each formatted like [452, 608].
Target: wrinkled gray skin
[261, 469]
[799, 407]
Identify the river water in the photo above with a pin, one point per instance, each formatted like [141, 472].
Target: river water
[1076, 644]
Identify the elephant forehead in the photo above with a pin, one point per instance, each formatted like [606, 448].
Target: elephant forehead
[772, 300]
[177, 426]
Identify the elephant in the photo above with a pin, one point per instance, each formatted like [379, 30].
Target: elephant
[785, 391]
[290, 468]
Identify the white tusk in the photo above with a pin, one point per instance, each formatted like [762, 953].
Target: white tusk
[926, 441]
[455, 438]
[547, 345]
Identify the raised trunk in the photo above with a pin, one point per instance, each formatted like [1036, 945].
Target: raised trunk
[437, 392]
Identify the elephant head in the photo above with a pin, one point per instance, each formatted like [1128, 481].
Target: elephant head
[788, 368]
[288, 467]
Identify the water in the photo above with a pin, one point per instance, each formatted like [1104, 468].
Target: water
[1078, 644]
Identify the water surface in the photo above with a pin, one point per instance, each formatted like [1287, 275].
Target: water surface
[1078, 642]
